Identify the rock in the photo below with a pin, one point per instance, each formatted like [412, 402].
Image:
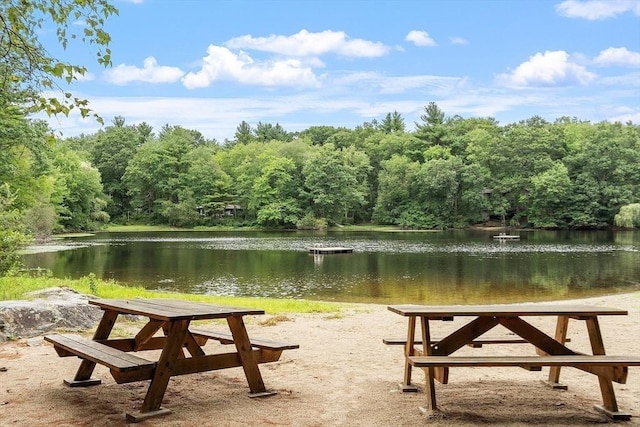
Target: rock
[54, 308]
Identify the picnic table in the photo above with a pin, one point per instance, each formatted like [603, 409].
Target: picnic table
[433, 355]
[172, 318]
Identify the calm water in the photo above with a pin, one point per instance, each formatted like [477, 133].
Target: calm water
[459, 267]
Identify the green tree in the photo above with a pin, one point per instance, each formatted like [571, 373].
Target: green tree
[397, 176]
[549, 193]
[274, 192]
[431, 128]
[79, 191]
[209, 184]
[266, 132]
[13, 233]
[27, 70]
[244, 133]
[157, 173]
[393, 122]
[24, 59]
[605, 172]
[332, 184]
[629, 216]
[111, 151]
[145, 130]
[319, 135]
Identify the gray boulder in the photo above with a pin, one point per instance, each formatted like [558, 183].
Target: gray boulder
[53, 308]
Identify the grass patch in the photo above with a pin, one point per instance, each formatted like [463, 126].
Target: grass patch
[274, 320]
[19, 287]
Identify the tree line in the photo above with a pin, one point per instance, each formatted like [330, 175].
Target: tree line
[448, 172]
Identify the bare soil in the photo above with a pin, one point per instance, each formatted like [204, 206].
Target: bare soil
[342, 375]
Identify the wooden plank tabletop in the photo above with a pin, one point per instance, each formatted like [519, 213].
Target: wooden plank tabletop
[168, 309]
[504, 310]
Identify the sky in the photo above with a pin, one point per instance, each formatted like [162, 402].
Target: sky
[209, 65]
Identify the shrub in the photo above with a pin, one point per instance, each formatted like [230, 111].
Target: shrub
[629, 216]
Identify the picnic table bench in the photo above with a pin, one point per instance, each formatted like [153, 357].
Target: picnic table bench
[172, 318]
[434, 356]
[476, 343]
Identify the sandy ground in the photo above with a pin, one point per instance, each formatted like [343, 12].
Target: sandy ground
[342, 375]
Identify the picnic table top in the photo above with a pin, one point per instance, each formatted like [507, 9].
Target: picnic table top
[169, 309]
[503, 310]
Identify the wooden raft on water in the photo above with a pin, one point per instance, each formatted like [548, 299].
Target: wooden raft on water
[329, 250]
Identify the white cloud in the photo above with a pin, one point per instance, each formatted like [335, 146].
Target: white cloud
[618, 56]
[624, 115]
[622, 81]
[597, 9]
[379, 84]
[353, 99]
[420, 38]
[458, 40]
[150, 73]
[305, 43]
[547, 69]
[221, 64]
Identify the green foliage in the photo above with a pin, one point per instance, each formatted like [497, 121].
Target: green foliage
[549, 194]
[244, 133]
[10, 243]
[310, 222]
[629, 216]
[452, 172]
[41, 221]
[274, 193]
[12, 232]
[180, 214]
[393, 122]
[79, 190]
[319, 135]
[25, 61]
[266, 132]
[110, 152]
[432, 128]
[93, 284]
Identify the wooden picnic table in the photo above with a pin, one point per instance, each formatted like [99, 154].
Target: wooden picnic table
[433, 355]
[172, 318]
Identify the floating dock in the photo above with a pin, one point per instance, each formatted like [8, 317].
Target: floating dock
[329, 251]
[506, 237]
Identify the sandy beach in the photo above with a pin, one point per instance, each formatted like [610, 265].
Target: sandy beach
[342, 375]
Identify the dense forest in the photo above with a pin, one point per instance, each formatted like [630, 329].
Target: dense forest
[448, 172]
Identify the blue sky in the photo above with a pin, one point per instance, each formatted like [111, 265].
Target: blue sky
[208, 65]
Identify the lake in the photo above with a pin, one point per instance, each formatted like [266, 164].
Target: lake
[450, 267]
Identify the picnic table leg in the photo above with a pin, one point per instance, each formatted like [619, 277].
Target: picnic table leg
[83, 375]
[609, 405]
[247, 357]
[409, 350]
[430, 388]
[561, 337]
[173, 346]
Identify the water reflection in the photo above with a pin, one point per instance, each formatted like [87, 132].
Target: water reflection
[449, 267]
